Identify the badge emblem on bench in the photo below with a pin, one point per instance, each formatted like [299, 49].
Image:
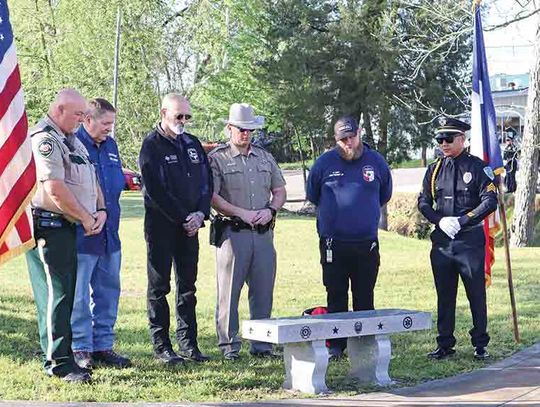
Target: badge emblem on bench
[305, 332]
[407, 322]
[358, 327]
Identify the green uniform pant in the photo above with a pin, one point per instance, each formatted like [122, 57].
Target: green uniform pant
[53, 269]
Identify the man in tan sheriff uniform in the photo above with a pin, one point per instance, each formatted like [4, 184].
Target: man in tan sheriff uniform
[67, 192]
[248, 191]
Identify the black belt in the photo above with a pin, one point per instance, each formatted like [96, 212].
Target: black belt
[238, 224]
[49, 220]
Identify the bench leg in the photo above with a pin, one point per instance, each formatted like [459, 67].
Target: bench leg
[305, 366]
[370, 357]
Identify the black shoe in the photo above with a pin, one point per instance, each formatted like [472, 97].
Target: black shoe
[168, 357]
[441, 353]
[77, 377]
[111, 358]
[194, 355]
[481, 353]
[232, 356]
[83, 359]
[335, 353]
[266, 354]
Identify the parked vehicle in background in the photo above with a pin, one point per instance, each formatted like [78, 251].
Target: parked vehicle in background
[133, 180]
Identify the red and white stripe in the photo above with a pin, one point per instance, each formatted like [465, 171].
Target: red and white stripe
[17, 167]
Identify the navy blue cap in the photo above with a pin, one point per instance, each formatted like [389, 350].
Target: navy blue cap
[449, 125]
[346, 126]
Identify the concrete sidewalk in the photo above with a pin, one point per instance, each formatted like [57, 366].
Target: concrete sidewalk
[511, 382]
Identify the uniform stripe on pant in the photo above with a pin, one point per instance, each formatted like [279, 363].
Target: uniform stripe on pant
[50, 298]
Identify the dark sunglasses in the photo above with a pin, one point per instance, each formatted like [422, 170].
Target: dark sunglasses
[449, 138]
[242, 130]
[183, 116]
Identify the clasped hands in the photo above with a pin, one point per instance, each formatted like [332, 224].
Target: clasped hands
[93, 225]
[193, 223]
[260, 217]
[450, 225]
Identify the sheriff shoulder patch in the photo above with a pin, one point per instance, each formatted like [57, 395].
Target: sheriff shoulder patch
[45, 148]
[489, 172]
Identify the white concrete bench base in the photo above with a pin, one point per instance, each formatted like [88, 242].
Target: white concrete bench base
[305, 353]
[370, 358]
[305, 366]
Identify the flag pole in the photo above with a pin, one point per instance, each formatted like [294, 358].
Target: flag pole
[502, 212]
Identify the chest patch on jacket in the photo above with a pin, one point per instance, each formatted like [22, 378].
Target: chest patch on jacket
[171, 159]
[193, 156]
[368, 172]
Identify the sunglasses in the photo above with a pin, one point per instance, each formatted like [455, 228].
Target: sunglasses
[242, 130]
[449, 138]
[183, 116]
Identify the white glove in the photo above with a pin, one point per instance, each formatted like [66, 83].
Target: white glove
[450, 225]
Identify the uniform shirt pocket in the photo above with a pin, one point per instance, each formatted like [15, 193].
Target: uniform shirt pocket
[264, 173]
[233, 178]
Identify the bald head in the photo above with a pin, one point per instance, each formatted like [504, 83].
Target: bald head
[175, 113]
[68, 110]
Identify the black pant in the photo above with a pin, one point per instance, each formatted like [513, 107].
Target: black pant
[447, 265]
[354, 261]
[168, 244]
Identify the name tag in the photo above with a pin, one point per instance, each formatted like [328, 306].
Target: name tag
[171, 159]
[113, 157]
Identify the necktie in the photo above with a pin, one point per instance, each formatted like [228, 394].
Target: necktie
[448, 184]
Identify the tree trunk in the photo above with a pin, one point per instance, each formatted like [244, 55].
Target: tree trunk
[368, 135]
[523, 221]
[423, 158]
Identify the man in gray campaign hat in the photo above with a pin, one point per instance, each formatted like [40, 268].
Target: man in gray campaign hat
[248, 191]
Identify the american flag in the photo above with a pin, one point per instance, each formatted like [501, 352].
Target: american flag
[484, 141]
[17, 168]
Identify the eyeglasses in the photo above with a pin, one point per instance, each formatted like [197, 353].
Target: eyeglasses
[183, 116]
[449, 138]
[242, 130]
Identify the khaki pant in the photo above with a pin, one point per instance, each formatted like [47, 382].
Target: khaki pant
[249, 257]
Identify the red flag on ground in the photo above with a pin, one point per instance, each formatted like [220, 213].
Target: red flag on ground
[17, 168]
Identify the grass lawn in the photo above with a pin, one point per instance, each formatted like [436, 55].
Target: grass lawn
[405, 281]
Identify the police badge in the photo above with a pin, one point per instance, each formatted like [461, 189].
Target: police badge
[467, 177]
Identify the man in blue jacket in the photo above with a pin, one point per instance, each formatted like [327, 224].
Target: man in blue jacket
[349, 184]
[177, 188]
[98, 257]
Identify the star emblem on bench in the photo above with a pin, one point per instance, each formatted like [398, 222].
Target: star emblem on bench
[380, 325]
[250, 330]
[335, 330]
[268, 333]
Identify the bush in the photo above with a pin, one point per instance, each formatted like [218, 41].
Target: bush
[404, 217]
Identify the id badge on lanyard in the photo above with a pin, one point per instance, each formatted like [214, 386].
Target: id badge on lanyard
[329, 254]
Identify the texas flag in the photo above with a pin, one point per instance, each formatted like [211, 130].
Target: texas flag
[484, 141]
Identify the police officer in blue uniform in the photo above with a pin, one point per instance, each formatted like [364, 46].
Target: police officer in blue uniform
[349, 184]
[177, 191]
[457, 194]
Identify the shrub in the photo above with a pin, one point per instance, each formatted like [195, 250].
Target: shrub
[404, 217]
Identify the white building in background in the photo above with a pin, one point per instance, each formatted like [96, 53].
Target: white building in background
[510, 99]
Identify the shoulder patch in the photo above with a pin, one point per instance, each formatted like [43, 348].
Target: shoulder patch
[45, 148]
[218, 148]
[489, 172]
[491, 187]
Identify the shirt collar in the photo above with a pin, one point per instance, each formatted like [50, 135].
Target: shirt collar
[235, 152]
[49, 121]
[82, 132]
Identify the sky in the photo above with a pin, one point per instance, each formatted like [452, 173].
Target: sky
[509, 50]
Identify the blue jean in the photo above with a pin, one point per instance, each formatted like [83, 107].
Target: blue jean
[96, 301]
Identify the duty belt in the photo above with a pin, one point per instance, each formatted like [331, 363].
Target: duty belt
[238, 224]
[49, 220]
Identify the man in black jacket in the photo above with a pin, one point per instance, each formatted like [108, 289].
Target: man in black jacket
[457, 194]
[177, 190]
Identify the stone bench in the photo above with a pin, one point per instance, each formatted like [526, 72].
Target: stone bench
[305, 353]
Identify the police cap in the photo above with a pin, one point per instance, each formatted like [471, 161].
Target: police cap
[449, 125]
